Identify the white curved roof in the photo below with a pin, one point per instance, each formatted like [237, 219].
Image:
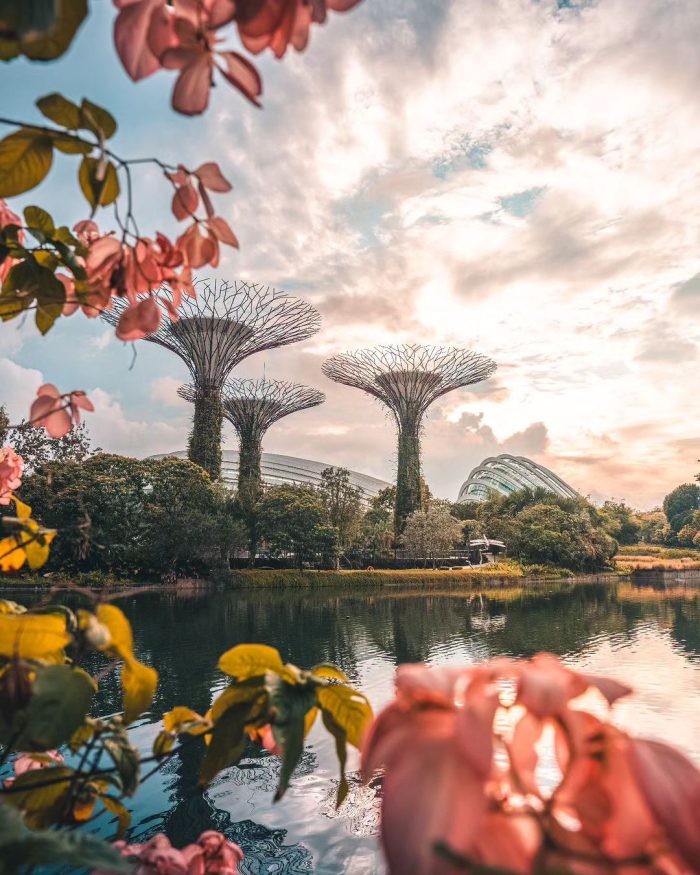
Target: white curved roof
[506, 474]
[277, 469]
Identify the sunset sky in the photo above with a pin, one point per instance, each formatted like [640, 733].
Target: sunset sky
[518, 177]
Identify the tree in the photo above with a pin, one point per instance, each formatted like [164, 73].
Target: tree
[4, 425]
[620, 522]
[293, 519]
[38, 448]
[152, 517]
[343, 502]
[432, 532]
[679, 505]
[653, 527]
[539, 527]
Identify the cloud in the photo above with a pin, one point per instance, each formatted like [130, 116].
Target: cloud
[19, 387]
[514, 176]
[164, 390]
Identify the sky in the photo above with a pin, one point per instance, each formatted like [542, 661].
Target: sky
[513, 176]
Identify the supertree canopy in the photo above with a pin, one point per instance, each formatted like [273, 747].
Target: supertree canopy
[224, 324]
[407, 379]
[252, 406]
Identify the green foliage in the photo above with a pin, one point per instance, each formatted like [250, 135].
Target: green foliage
[540, 528]
[38, 448]
[22, 847]
[134, 517]
[343, 502]
[293, 519]
[680, 504]
[620, 522]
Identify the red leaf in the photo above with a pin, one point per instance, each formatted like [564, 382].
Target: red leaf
[242, 75]
[211, 177]
[191, 92]
[221, 229]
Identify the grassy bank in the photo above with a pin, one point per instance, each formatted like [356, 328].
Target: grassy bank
[652, 557]
[506, 571]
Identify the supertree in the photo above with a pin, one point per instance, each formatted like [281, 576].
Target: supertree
[252, 406]
[407, 379]
[224, 324]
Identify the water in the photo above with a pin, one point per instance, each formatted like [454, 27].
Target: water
[648, 635]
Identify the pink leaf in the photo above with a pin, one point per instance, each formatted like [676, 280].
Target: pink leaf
[130, 38]
[191, 92]
[48, 389]
[139, 320]
[211, 177]
[242, 75]
[222, 231]
[58, 423]
[670, 783]
[185, 202]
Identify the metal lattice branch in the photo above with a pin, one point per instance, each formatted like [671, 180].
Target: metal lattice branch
[410, 377]
[252, 406]
[225, 323]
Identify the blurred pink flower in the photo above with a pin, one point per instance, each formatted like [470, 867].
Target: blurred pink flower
[8, 217]
[11, 467]
[459, 751]
[29, 762]
[212, 854]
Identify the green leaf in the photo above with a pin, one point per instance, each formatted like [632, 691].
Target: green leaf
[41, 31]
[350, 710]
[96, 119]
[289, 704]
[25, 159]
[41, 794]
[98, 181]
[60, 110]
[126, 759]
[341, 750]
[227, 741]
[38, 219]
[68, 258]
[64, 235]
[22, 847]
[61, 699]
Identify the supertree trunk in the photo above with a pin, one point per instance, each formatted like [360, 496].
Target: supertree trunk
[250, 486]
[408, 487]
[204, 447]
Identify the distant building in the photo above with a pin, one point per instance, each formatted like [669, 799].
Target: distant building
[277, 469]
[505, 474]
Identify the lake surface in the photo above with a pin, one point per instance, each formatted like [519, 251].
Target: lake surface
[648, 635]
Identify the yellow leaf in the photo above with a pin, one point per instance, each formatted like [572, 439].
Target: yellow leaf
[42, 802]
[139, 684]
[185, 720]
[309, 720]
[12, 556]
[23, 510]
[33, 636]
[350, 710]
[253, 660]
[36, 547]
[163, 743]
[84, 806]
[122, 639]
[25, 159]
[325, 670]
[7, 606]
[81, 736]
[232, 695]
[115, 807]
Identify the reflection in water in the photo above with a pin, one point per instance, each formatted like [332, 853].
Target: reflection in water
[648, 635]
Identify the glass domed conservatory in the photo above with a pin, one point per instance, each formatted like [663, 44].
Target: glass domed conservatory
[505, 474]
[276, 469]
